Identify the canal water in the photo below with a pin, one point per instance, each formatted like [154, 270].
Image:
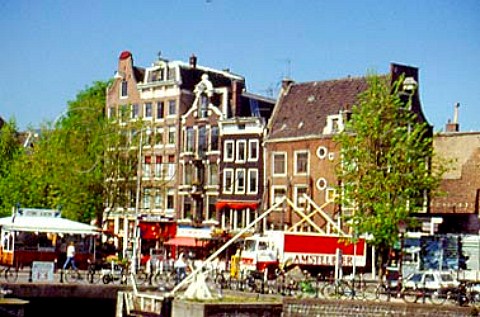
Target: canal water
[69, 307]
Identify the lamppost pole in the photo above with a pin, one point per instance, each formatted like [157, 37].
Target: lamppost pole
[137, 205]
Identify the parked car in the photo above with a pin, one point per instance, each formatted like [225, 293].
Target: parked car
[431, 280]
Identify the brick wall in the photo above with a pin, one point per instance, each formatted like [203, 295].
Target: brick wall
[460, 186]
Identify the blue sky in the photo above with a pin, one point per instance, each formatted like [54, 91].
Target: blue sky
[50, 50]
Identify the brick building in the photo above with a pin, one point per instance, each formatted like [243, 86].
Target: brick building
[301, 155]
[459, 194]
[175, 108]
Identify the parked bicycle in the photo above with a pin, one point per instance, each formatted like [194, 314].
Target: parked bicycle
[71, 275]
[354, 289]
[10, 273]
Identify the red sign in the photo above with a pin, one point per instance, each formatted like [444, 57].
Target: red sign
[155, 230]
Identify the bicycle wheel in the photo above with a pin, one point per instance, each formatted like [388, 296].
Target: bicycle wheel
[438, 297]
[332, 291]
[369, 291]
[382, 293]
[409, 295]
[71, 276]
[107, 278]
[93, 276]
[142, 277]
[11, 275]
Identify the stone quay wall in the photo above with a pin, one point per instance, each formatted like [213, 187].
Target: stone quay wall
[350, 308]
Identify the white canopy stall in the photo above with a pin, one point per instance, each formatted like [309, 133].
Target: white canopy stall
[42, 235]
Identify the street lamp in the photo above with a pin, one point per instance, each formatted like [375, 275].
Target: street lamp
[137, 201]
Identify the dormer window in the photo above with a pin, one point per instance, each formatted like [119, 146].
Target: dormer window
[334, 124]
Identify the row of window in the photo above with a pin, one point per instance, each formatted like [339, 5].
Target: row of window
[209, 206]
[159, 136]
[238, 150]
[204, 139]
[149, 110]
[240, 181]
[160, 169]
[301, 163]
[280, 191]
[192, 174]
[157, 199]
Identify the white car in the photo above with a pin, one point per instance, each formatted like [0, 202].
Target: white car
[431, 280]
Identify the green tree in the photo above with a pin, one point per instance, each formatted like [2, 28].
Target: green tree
[385, 172]
[10, 152]
[64, 168]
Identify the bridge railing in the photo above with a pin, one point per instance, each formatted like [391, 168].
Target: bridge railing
[142, 302]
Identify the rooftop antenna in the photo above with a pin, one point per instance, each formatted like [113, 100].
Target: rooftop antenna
[288, 62]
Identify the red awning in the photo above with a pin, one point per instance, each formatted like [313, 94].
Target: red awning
[184, 242]
[239, 205]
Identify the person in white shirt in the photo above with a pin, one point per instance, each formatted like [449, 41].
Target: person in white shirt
[70, 257]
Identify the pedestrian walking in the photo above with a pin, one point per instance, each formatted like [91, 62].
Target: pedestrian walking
[70, 261]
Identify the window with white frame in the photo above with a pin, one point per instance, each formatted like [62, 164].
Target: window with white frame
[252, 182]
[170, 199]
[160, 109]
[135, 111]
[112, 112]
[159, 199]
[241, 150]
[203, 111]
[299, 199]
[228, 181]
[188, 175]
[148, 110]
[159, 136]
[171, 135]
[214, 138]
[212, 201]
[253, 150]
[158, 166]
[240, 181]
[279, 164]
[172, 107]
[202, 140]
[170, 173]
[301, 162]
[146, 166]
[123, 113]
[278, 193]
[228, 153]
[213, 174]
[330, 195]
[189, 139]
[146, 198]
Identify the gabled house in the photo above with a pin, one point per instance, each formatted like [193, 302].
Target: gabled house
[242, 163]
[212, 119]
[158, 96]
[301, 155]
[458, 204]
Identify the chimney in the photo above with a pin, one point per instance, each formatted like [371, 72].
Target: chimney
[193, 61]
[453, 126]
[237, 88]
[286, 82]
